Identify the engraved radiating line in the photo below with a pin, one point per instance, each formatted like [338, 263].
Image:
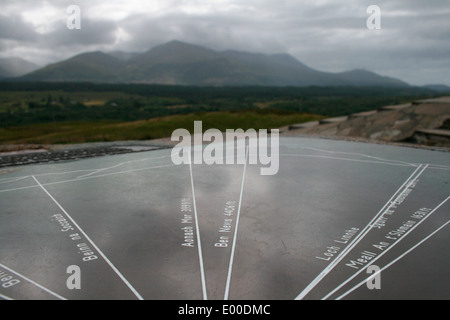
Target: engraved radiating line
[2, 296]
[121, 164]
[387, 250]
[358, 155]
[199, 246]
[344, 159]
[33, 282]
[13, 179]
[100, 170]
[233, 248]
[363, 233]
[80, 171]
[394, 261]
[173, 165]
[382, 160]
[91, 242]
[91, 177]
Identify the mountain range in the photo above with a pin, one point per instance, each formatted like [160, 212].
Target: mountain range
[15, 67]
[180, 63]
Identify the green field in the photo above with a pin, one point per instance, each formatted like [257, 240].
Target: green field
[81, 132]
[47, 113]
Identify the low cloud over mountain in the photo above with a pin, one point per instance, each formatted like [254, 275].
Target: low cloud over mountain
[180, 63]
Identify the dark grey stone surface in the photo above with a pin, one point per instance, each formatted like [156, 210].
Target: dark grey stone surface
[134, 212]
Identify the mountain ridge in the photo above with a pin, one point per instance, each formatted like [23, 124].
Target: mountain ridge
[180, 63]
[15, 67]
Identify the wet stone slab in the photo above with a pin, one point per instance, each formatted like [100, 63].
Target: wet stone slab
[140, 227]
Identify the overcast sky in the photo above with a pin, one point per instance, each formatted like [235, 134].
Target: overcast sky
[329, 35]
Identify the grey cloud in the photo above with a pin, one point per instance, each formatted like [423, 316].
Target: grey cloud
[217, 32]
[330, 35]
[14, 28]
[417, 6]
[92, 32]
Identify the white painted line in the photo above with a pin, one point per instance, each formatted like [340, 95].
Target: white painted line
[2, 296]
[14, 179]
[91, 177]
[91, 242]
[113, 174]
[392, 262]
[233, 248]
[386, 250]
[440, 166]
[437, 167]
[357, 154]
[33, 282]
[363, 232]
[345, 159]
[59, 173]
[173, 165]
[149, 158]
[90, 172]
[100, 170]
[121, 164]
[38, 175]
[383, 160]
[51, 174]
[199, 242]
